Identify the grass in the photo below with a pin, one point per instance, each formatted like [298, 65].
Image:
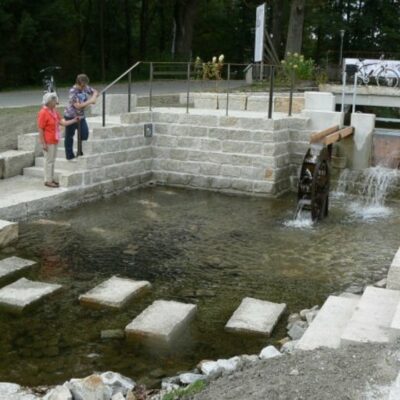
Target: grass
[192, 389]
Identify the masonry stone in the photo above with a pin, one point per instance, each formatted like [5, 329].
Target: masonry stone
[235, 101]
[30, 142]
[205, 100]
[228, 121]
[13, 266]
[393, 278]
[257, 103]
[8, 232]
[14, 161]
[115, 104]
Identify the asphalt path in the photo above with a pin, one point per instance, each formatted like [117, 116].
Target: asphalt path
[20, 98]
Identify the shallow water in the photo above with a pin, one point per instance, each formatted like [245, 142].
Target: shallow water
[195, 247]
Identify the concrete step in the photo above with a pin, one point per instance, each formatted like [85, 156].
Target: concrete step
[114, 292]
[16, 297]
[328, 326]
[255, 316]
[8, 232]
[162, 321]
[12, 162]
[64, 177]
[372, 317]
[393, 277]
[13, 266]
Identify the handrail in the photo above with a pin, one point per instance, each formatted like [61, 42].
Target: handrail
[103, 92]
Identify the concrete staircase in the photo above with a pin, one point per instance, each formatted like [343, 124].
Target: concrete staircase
[373, 318]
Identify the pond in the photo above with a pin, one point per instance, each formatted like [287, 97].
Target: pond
[196, 247]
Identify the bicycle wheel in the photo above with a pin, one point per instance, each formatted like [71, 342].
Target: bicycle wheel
[387, 77]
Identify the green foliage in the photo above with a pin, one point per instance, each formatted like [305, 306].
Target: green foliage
[209, 70]
[183, 393]
[302, 68]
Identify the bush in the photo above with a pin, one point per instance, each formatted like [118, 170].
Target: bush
[209, 70]
[303, 68]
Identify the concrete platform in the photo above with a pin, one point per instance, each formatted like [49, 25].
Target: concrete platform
[23, 293]
[12, 266]
[161, 321]
[8, 232]
[393, 277]
[255, 316]
[328, 326]
[372, 317]
[114, 292]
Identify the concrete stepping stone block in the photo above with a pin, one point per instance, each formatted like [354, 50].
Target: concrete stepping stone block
[163, 321]
[327, 327]
[393, 277]
[12, 266]
[255, 316]
[114, 292]
[8, 232]
[23, 293]
[372, 318]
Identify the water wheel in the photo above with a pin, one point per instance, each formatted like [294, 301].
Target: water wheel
[313, 187]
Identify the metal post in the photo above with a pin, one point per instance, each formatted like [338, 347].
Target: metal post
[291, 92]
[129, 91]
[151, 86]
[104, 109]
[271, 91]
[261, 71]
[341, 46]
[188, 88]
[353, 110]
[227, 89]
[344, 77]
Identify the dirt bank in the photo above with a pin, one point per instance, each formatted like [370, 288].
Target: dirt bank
[358, 372]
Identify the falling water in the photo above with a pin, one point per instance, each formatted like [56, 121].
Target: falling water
[372, 186]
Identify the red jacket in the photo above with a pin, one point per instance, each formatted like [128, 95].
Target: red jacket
[49, 121]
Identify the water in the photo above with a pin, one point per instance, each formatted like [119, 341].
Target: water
[372, 185]
[195, 247]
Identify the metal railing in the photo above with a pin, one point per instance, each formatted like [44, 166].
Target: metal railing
[192, 72]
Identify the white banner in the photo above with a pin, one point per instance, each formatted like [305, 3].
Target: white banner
[259, 41]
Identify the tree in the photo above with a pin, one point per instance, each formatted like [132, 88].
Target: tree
[294, 39]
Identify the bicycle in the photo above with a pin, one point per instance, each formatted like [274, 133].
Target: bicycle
[382, 74]
[48, 81]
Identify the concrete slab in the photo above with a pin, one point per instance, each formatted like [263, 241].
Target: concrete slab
[255, 316]
[328, 326]
[372, 317]
[12, 266]
[8, 232]
[114, 292]
[163, 320]
[23, 293]
[393, 277]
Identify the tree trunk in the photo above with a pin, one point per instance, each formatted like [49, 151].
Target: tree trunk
[278, 7]
[102, 47]
[296, 22]
[143, 28]
[128, 28]
[184, 17]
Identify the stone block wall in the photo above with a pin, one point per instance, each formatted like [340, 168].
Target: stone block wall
[233, 154]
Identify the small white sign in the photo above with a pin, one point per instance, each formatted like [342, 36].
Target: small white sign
[259, 41]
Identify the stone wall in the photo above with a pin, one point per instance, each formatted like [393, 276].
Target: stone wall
[251, 155]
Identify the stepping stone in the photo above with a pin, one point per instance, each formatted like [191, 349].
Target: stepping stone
[372, 317]
[9, 267]
[255, 316]
[115, 292]
[393, 277]
[8, 232]
[23, 293]
[162, 321]
[328, 326]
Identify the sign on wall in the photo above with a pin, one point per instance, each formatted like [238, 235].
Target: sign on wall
[259, 40]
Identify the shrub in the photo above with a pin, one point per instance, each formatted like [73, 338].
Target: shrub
[209, 70]
[190, 390]
[302, 68]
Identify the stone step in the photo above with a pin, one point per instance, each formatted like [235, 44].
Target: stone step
[393, 277]
[328, 326]
[8, 232]
[114, 292]
[64, 177]
[255, 316]
[23, 293]
[12, 162]
[13, 266]
[372, 317]
[161, 321]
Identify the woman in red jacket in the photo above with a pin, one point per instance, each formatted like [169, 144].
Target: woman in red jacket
[49, 121]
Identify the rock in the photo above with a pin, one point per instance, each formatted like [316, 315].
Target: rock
[289, 347]
[169, 386]
[130, 395]
[303, 313]
[294, 372]
[112, 334]
[311, 315]
[248, 359]
[8, 388]
[89, 388]
[284, 340]
[189, 378]
[117, 382]
[59, 393]
[269, 352]
[294, 317]
[118, 396]
[214, 368]
[297, 330]
[381, 284]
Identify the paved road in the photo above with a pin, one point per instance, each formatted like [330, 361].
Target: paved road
[21, 98]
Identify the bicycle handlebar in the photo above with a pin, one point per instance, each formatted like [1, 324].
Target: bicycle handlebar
[50, 69]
